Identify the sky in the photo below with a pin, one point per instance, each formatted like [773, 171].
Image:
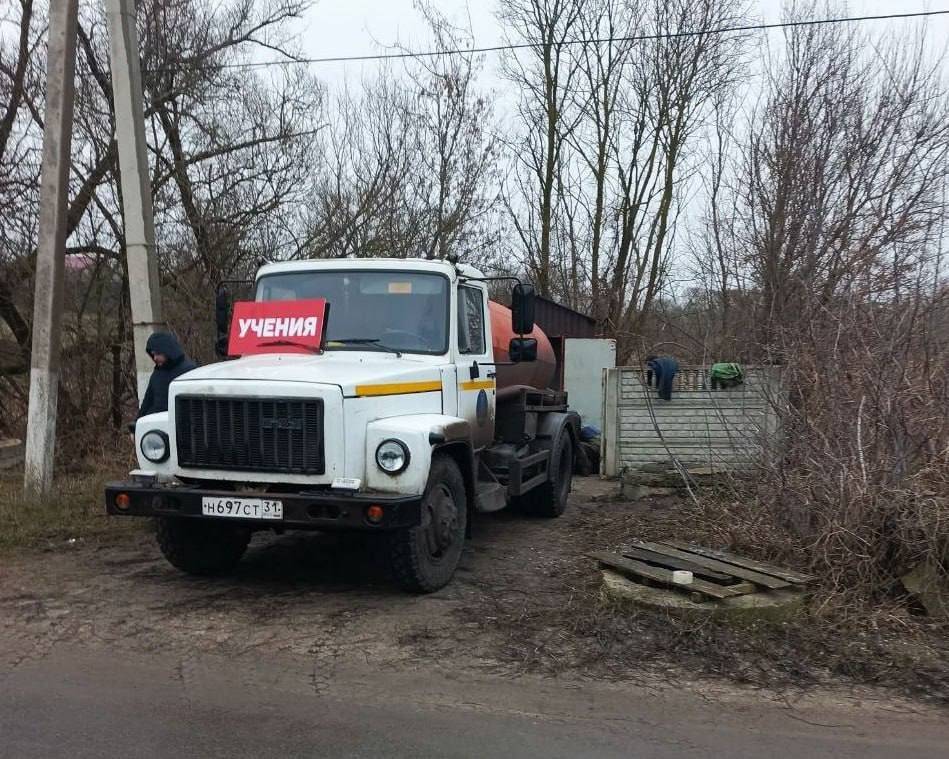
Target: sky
[365, 27]
[357, 27]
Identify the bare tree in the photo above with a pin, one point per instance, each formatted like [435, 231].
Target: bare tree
[603, 71]
[361, 184]
[229, 152]
[20, 89]
[844, 174]
[456, 150]
[545, 77]
[672, 86]
[411, 167]
[827, 232]
[715, 246]
[609, 121]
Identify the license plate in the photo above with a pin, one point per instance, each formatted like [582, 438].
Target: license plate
[242, 508]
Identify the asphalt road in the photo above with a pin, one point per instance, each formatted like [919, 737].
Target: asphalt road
[76, 702]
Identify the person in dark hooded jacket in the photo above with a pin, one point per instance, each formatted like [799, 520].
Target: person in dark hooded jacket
[170, 363]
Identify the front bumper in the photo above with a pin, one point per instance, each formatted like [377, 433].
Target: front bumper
[314, 510]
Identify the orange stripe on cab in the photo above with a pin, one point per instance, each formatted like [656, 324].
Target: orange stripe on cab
[398, 388]
[478, 385]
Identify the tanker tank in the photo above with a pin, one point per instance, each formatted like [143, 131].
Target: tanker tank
[537, 373]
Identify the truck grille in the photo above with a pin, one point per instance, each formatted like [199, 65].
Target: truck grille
[250, 434]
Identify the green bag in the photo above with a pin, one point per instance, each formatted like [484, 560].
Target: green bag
[726, 375]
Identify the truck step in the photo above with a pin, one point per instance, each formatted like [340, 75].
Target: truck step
[490, 496]
[527, 473]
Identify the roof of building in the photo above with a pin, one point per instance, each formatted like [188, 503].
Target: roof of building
[558, 320]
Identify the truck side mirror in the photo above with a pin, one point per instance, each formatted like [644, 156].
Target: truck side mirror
[522, 309]
[522, 349]
[222, 317]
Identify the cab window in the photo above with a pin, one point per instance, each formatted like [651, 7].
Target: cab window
[470, 321]
[371, 310]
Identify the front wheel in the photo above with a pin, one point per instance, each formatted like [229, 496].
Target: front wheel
[202, 547]
[424, 558]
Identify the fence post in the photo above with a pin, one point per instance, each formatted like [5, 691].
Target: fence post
[609, 448]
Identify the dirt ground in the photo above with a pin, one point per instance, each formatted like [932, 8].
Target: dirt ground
[525, 600]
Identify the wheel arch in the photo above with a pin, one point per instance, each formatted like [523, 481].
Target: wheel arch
[549, 426]
[462, 453]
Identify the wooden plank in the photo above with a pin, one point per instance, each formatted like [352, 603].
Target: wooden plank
[664, 576]
[740, 561]
[643, 554]
[759, 578]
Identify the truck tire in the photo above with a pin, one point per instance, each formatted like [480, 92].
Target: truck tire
[424, 558]
[202, 547]
[550, 499]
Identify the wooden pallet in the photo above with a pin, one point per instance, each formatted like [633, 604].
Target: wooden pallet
[662, 576]
[795, 578]
[716, 574]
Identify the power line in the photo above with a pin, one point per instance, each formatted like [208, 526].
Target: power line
[582, 41]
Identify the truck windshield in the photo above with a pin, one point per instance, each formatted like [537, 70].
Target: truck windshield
[372, 310]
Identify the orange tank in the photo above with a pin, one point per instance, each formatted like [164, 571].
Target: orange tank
[537, 373]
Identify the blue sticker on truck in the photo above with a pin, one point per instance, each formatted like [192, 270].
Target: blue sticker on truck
[481, 408]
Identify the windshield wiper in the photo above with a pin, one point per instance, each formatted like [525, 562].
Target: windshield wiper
[366, 341]
[293, 343]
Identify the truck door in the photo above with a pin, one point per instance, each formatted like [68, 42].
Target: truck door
[476, 395]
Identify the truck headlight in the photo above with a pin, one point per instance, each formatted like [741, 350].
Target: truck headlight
[154, 446]
[392, 456]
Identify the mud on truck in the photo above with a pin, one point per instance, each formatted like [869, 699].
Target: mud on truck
[406, 403]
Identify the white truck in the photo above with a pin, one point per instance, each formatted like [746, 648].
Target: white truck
[403, 423]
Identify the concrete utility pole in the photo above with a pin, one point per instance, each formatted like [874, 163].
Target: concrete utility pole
[51, 247]
[144, 292]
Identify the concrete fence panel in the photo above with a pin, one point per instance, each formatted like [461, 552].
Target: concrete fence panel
[730, 428]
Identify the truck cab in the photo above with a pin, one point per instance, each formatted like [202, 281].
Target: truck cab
[395, 423]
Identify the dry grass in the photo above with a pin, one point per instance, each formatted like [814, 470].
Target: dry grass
[863, 628]
[73, 512]
[565, 625]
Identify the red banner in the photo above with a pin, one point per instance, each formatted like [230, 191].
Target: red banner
[277, 326]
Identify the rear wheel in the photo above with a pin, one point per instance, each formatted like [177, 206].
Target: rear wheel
[424, 558]
[550, 499]
[202, 547]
